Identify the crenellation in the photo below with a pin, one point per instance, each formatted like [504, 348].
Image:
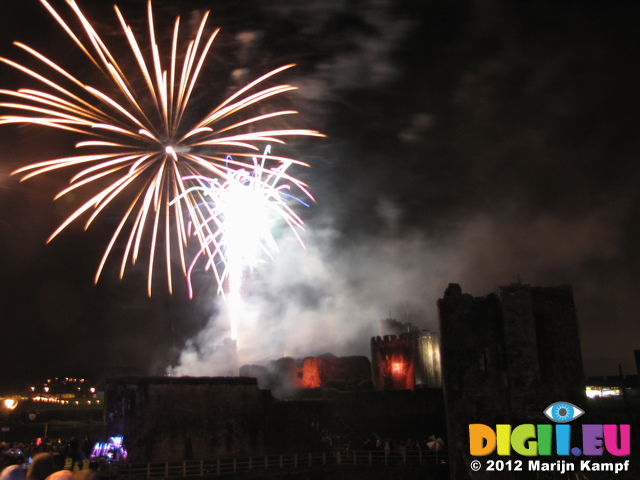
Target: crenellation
[407, 359]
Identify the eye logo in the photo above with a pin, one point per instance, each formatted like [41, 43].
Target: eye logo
[563, 412]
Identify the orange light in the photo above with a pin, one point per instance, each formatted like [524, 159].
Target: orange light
[397, 367]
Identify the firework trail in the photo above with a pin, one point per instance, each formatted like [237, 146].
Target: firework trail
[241, 215]
[141, 141]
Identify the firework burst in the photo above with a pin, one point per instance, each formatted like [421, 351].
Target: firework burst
[239, 216]
[141, 141]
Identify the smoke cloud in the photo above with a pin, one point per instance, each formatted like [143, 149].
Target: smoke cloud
[322, 298]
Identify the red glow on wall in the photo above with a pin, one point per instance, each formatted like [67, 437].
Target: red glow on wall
[392, 362]
[315, 372]
[397, 368]
[311, 377]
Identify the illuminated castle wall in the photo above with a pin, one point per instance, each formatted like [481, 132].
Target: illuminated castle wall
[428, 372]
[288, 373]
[408, 360]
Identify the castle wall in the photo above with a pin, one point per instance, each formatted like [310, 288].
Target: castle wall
[520, 347]
[164, 418]
[298, 426]
[339, 371]
[427, 360]
[558, 341]
[180, 418]
[286, 373]
[473, 369]
[399, 414]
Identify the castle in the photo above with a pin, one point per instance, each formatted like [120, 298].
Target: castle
[500, 358]
[285, 404]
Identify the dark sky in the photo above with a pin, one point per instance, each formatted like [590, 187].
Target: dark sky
[473, 142]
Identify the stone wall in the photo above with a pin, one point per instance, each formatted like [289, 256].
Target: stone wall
[286, 373]
[180, 418]
[165, 418]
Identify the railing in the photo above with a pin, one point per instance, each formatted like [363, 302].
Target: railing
[227, 466]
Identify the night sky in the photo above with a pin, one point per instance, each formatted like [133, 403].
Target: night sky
[479, 143]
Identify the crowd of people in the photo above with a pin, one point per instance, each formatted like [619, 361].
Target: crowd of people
[52, 460]
[390, 450]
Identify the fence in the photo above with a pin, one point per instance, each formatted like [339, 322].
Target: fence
[226, 466]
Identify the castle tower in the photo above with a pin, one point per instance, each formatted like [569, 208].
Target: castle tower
[392, 362]
[408, 359]
[505, 358]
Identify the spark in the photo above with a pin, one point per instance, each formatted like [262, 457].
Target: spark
[142, 139]
[241, 215]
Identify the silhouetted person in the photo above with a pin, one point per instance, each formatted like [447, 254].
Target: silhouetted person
[12, 472]
[61, 475]
[41, 467]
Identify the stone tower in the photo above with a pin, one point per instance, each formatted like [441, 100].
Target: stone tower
[405, 357]
[505, 357]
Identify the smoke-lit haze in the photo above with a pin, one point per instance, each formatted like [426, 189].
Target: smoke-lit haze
[317, 300]
[479, 143]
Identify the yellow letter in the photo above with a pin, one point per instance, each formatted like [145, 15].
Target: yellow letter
[503, 433]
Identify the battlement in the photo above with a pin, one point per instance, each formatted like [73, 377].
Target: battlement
[392, 339]
[406, 360]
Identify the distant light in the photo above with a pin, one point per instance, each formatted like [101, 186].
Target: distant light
[595, 392]
[10, 403]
